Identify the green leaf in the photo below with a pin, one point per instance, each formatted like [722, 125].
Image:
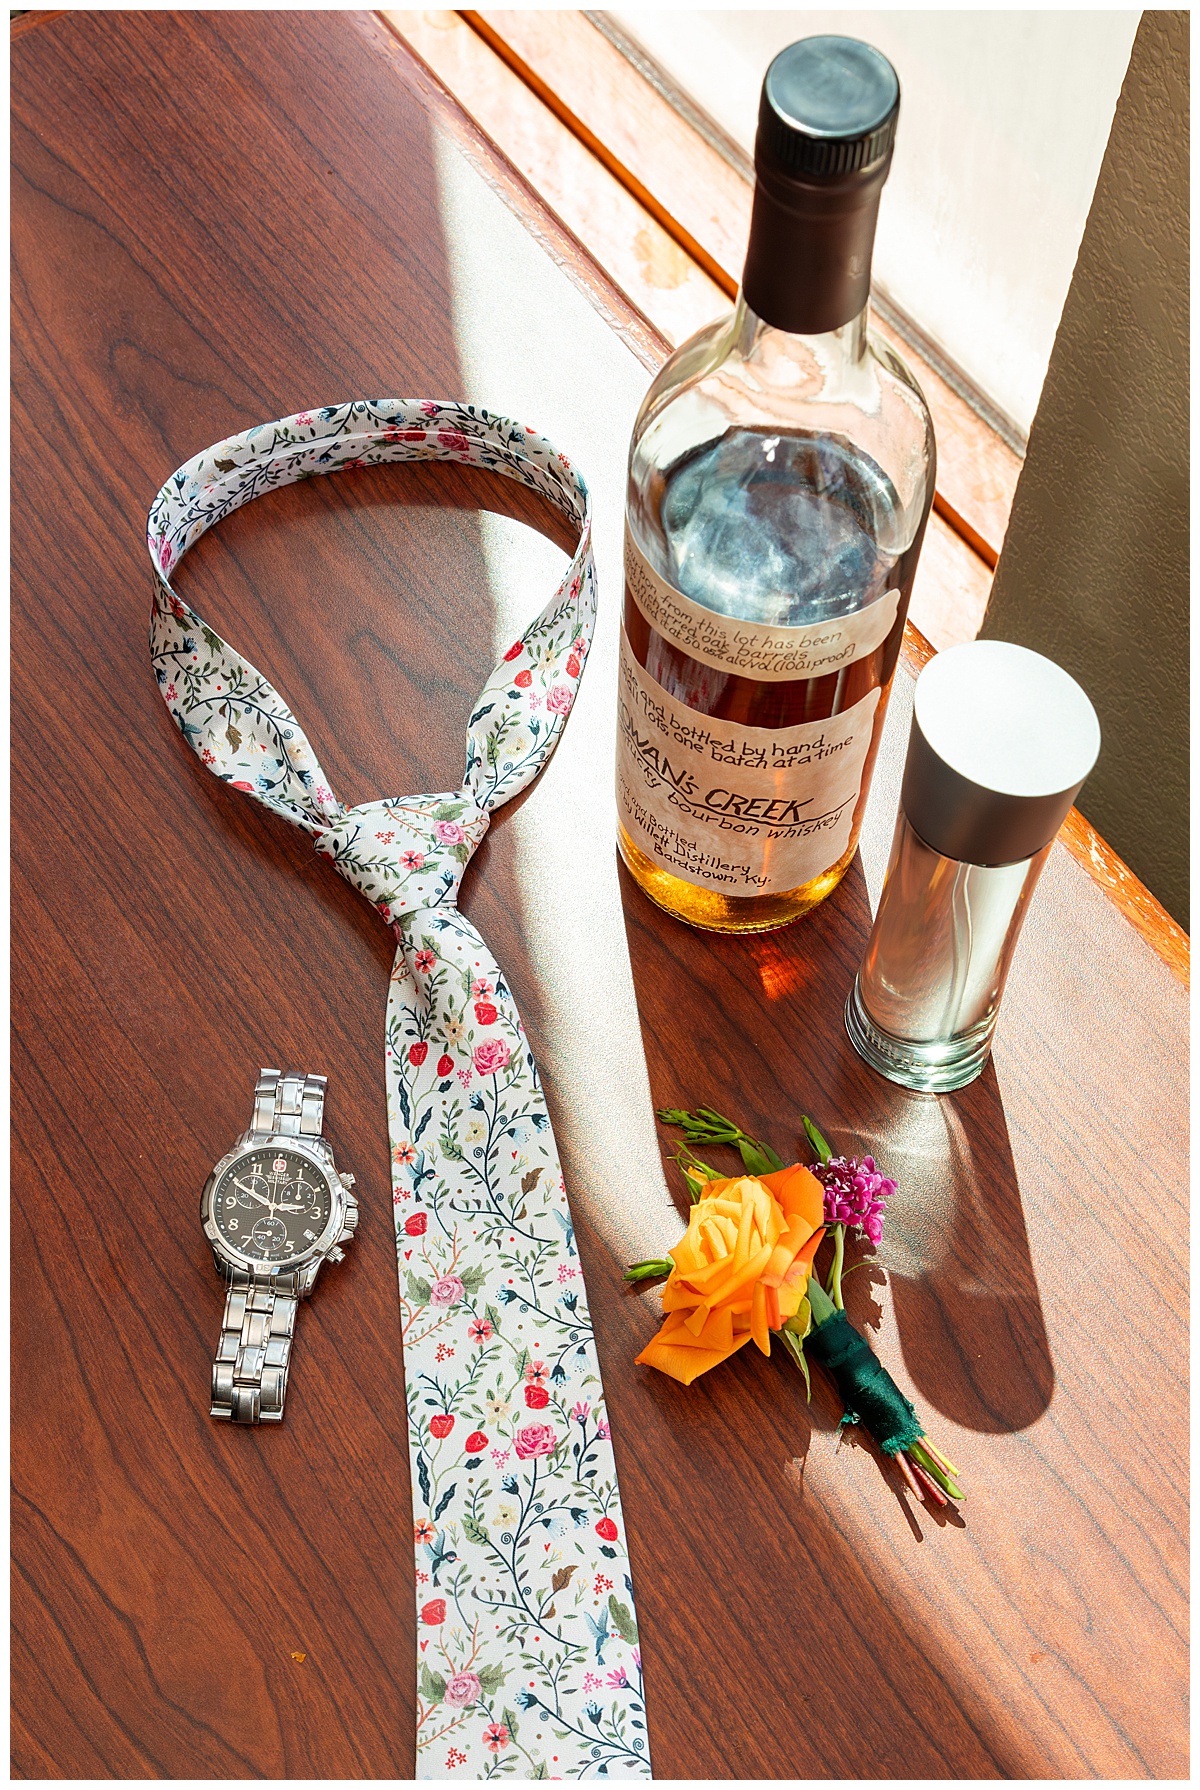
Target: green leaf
[433, 1685]
[758, 1160]
[491, 1678]
[541, 1771]
[472, 1278]
[622, 1619]
[824, 1153]
[474, 1531]
[647, 1270]
[694, 1172]
[822, 1305]
[801, 1323]
[493, 1318]
[795, 1349]
[707, 1126]
[419, 1291]
[510, 1722]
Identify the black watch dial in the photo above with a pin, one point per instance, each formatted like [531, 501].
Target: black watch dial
[272, 1205]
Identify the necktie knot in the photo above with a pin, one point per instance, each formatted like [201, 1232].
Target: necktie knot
[407, 854]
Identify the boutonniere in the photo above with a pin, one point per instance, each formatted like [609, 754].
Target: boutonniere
[743, 1271]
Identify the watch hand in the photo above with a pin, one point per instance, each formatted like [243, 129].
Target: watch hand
[251, 1192]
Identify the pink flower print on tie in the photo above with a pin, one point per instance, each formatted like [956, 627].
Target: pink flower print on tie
[491, 1057]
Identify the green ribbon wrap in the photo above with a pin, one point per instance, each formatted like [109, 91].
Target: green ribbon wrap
[869, 1393]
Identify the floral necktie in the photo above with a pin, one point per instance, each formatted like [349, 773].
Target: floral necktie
[528, 1663]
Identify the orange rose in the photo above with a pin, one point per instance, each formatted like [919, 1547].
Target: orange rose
[741, 1270]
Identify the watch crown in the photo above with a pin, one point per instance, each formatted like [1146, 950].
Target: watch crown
[336, 1255]
[351, 1218]
[346, 1180]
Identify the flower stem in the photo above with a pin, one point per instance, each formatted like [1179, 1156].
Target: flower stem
[930, 1485]
[939, 1457]
[834, 1284]
[687, 1161]
[924, 1459]
[910, 1476]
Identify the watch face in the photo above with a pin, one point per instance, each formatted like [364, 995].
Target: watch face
[272, 1205]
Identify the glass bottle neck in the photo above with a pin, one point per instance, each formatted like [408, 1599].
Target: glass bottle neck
[834, 362]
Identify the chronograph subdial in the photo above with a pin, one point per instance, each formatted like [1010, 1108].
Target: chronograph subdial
[269, 1237]
[301, 1195]
[251, 1191]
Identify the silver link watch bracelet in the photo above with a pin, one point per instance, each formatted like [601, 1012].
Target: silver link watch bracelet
[290, 1105]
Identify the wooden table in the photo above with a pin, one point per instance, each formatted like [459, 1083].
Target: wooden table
[220, 218]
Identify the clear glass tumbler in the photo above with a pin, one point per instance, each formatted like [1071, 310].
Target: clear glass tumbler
[926, 998]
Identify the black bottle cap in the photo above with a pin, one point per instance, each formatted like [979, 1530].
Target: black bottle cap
[829, 106]
[826, 126]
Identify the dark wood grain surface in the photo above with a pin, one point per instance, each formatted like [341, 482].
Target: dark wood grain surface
[220, 218]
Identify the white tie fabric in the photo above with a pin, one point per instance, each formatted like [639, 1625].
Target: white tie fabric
[528, 1663]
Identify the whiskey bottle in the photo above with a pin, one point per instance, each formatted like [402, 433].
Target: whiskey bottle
[780, 478]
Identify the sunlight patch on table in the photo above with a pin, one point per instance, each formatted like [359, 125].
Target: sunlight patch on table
[529, 358]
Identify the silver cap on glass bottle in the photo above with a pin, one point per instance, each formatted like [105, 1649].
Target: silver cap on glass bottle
[1002, 740]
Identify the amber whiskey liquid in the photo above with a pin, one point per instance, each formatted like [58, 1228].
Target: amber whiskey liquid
[740, 797]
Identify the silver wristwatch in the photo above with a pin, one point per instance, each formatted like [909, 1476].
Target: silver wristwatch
[273, 1209]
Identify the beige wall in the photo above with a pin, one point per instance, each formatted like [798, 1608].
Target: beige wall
[1094, 571]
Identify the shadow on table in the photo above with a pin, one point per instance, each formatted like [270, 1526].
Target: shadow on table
[752, 1026]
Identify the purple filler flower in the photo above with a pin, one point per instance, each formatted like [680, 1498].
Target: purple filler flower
[854, 1194]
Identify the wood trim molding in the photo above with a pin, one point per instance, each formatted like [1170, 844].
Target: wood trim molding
[1144, 911]
[19, 26]
[557, 34]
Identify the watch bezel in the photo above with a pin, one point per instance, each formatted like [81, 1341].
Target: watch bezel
[313, 1154]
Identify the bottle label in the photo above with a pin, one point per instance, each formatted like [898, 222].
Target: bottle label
[753, 649]
[741, 810]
